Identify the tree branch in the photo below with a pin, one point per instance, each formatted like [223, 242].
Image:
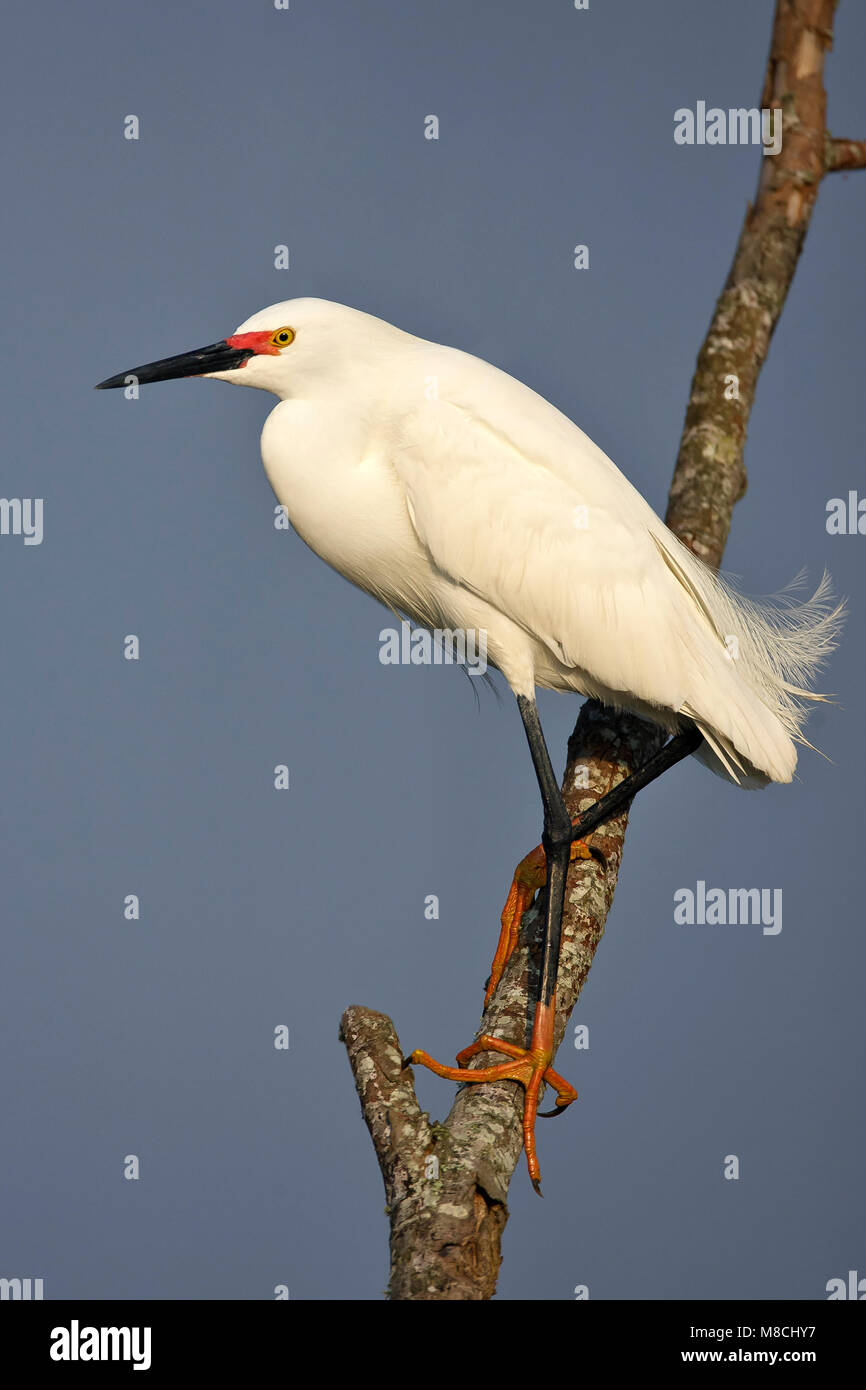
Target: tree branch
[447, 1216]
[842, 155]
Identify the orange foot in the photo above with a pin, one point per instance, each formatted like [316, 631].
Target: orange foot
[529, 876]
[530, 1066]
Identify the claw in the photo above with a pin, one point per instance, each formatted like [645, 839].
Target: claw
[530, 1066]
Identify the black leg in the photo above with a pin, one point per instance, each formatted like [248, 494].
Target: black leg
[559, 832]
[556, 841]
[616, 801]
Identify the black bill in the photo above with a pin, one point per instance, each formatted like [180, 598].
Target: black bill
[217, 357]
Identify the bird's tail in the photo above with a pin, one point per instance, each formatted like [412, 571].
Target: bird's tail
[752, 683]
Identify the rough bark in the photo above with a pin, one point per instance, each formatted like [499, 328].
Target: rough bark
[710, 475]
[446, 1184]
[845, 154]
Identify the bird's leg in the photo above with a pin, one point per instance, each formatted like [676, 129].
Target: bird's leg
[529, 876]
[531, 1066]
[531, 873]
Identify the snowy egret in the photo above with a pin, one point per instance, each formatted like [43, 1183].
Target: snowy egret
[462, 500]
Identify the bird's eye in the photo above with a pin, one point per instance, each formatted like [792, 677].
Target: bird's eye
[282, 337]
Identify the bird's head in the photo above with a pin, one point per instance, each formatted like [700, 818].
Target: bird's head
[289, 349]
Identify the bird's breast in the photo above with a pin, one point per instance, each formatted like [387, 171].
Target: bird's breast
[343, 498]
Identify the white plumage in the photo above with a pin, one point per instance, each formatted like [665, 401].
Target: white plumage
[462, 499]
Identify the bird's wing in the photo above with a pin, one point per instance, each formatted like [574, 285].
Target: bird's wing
[515, 503]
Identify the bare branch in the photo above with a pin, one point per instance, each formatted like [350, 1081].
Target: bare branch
[842, 155]
[710, 476]
[401, 1135]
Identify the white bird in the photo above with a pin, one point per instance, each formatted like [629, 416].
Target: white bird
[463, 500]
